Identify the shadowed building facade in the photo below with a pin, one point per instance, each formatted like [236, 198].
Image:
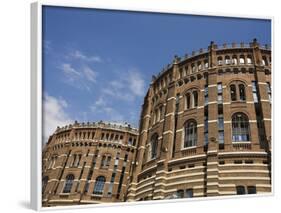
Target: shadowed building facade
[88, 163]
[205, 126]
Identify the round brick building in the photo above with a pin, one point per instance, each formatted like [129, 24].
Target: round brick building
[88, 163]
[205, 126]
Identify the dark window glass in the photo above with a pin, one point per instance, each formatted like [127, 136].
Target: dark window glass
[240, 127]
[68, 183]
[180, 193]
[242, 92]
[98, 189]
[233, 93]
[240, 190]
[187, 100]
[189, 193]
[252, 190]
[190, 138]
[195, 98]
[154, 145]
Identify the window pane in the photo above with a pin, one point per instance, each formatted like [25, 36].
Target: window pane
[240, 190]
[189, 193]
[233, 92]
[242, 92]
[252, 190]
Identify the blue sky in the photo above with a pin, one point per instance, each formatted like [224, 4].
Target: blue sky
[97, 64]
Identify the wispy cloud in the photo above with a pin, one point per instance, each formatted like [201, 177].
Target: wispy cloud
[77, 54]
[54, 114]
[135, 82]
[127, 86]
[81, 77]
[47, 46]
[110, 114]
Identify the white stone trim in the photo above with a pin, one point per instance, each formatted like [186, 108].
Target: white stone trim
[147, 116]
[167, 132]
[264, 100]
[171, 113]
[244, 178]
[141, 147]
[244, 153]
[212, 102]
[243, 171]
[171, 98]
[143, 131]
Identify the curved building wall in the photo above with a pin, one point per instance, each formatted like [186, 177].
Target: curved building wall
[88, 163]
[205, 127]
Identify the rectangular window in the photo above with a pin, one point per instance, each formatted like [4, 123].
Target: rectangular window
[189, 193]
[221, 137]
[220, 122]
[206, 137]
[254, 90]
[206, 94]
[251, 190]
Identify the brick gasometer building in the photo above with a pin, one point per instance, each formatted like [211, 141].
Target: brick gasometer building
[88, 163]
[205, 126]
[205, 130]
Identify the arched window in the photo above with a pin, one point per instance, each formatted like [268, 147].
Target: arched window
[227, 60]
[187, 100]
[195, 98]
[190, 136]
[241, 60]
[44, 183]
[193, 68]
[206, 64]
[98, 189]
[249, 60]
[220, 60]
[189, 193]
[264, 61]
[233, 92]
[240, 190]
[242, 94]
[180, 193]
[199, 65]
[234, 60]
[240, 128]
[153, 146]
[68, 183]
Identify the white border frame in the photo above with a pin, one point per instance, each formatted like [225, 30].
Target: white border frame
[36, 96]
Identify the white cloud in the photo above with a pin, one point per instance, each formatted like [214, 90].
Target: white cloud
[109, 113]
[136, 83]
[126, 87]
[79, 55]
[89, 74]
[70, 72]
[54, 115]
[47, 46]
[81, 78]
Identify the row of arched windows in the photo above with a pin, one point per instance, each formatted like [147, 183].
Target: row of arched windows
[98, 188]
[234, 60]
[240, 133]
[237, 93]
